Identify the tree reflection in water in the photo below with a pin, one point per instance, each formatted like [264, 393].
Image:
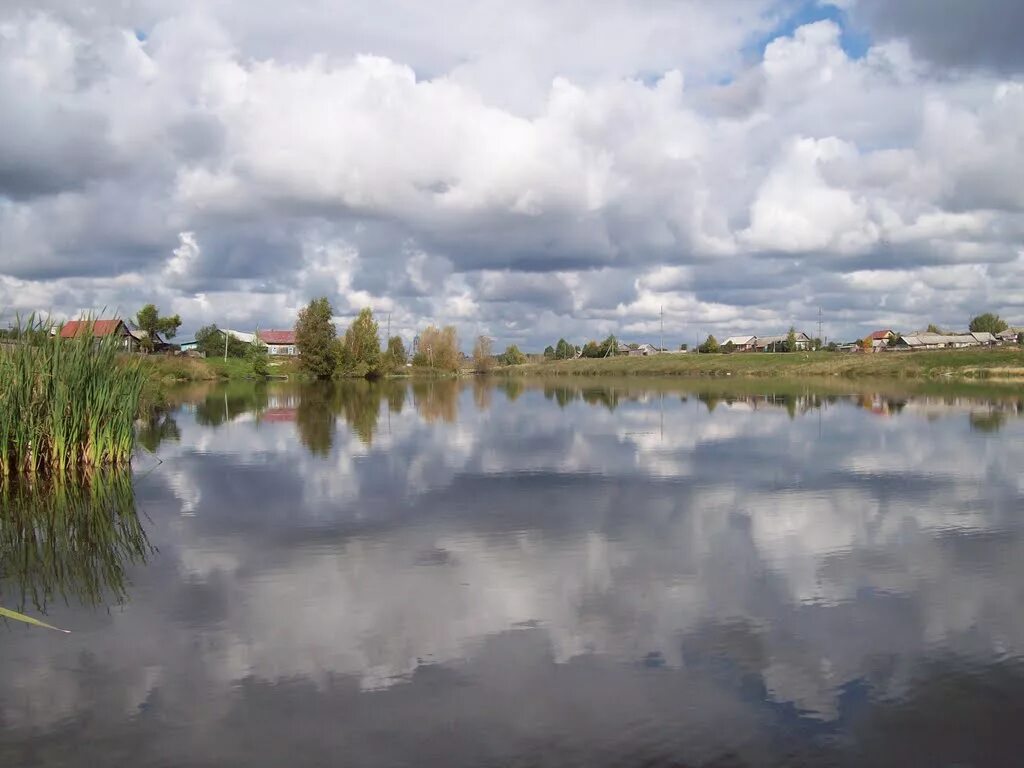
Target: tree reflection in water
[69, 541]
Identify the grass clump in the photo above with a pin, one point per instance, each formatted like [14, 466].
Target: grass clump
[66, 405]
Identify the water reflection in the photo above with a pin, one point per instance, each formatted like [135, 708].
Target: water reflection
[69, 541]
[576, 573]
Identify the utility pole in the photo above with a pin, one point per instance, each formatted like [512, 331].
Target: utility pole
[819, 324]
[389, 326]
[225, 348]
[661, 343]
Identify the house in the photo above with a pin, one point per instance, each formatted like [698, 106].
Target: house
[740, 343]
[921, 341]
[101, 329]
[778, 343]
[189, 346]
[881, 339]
[650, 349]
[278, 342]
[985, 338]
[1009, 336]
[141, 337]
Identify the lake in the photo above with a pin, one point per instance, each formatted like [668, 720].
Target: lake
[520, 573]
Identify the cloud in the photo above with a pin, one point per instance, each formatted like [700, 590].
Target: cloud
[983, 33]
[506, 182]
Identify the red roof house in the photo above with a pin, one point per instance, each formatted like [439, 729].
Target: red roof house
[882, 335]
[278, 342]
[100, 330]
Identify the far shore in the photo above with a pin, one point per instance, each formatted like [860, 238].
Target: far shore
[991, 364]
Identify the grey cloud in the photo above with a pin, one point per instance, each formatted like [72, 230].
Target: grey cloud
[979, 33]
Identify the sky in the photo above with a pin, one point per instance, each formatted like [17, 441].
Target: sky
[526, 171]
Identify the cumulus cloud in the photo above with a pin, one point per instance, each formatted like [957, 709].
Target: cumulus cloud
[557, 179]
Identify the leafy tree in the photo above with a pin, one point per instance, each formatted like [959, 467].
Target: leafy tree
[315, 336]
[933, 328]
[395, 357]
[609, 346]
[564, 350]
[832, 347]
[728, 347]
[361, 354]
[210, 341]
[549, 352]
[710, 345]
[1020, 338]
[816, 343]
[865, 343]
[988, 322]
[148, 319]
[439, 348]
[513, 356]
[591, 349]
[258, 357]
[791, 340]
[482, 360]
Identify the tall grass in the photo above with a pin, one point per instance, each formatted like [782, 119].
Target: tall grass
[66, 405]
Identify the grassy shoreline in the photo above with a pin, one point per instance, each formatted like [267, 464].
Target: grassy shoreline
[1001, 363]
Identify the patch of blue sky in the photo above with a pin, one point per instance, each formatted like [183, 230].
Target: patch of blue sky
[793, 15]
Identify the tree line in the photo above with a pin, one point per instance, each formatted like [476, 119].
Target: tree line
[358, 353]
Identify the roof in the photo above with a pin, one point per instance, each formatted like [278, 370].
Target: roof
[100, 328]
[881, 335]
[277, 337]
[764, 341]
[984, 336]
[739, 341]
[936, 339]
[248, 338]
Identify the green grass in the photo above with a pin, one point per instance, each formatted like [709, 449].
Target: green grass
[66, 405]
[993, 363]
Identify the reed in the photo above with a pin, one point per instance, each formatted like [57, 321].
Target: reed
[67, 406]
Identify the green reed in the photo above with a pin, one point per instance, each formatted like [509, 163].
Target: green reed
[66, 405]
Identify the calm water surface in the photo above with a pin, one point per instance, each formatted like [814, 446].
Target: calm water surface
[465, 574]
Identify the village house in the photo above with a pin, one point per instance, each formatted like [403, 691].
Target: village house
[922, 341]
[778, 343]
[881, 339]
[278, 342]
[100, 330]
[740, 343]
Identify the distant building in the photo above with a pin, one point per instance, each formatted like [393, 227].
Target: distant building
[740, 343]
[778, 343]
[279, 342]
[129, 339]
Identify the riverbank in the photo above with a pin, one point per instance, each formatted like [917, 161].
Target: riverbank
[1001, 363]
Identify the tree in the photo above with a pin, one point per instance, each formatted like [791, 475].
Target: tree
[395, 357]
[832, 347]
[591, 349]
[148, 319]
[513, 356]
[1020, 338]
[361, 355]
[816, 343]
[549, 352]
[710, 345]
[791, 340]
[564, 350]
[210, 341]
[316, 339]
[609, 346]
[728, 347]
[439, 348]
[482, 360]
[987, 322]
[258, 358]
[933, 328]
[866, 343]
